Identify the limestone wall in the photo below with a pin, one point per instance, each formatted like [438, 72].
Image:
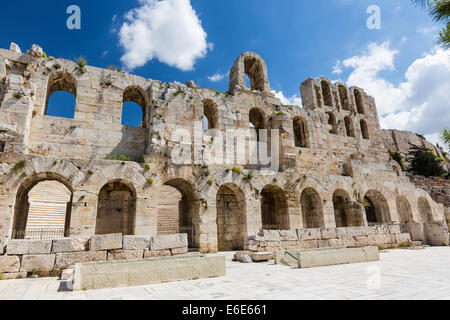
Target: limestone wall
[19, 258]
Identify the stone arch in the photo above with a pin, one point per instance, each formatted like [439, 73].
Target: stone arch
[257, 120]
[181, 204]
[254, 66]
[326, 93]
[349, 128]
[332, 122]
[116, 208]
[424, 209]
[404, 209]
[343, 95]
[377, 208]
[231, 218]
[137, 95]
[61, 81]
[22, 203]
[359, 101]
[364, 129]
[342, 205]
[301, 133]
[312, 212]
[210, 115]
[274, 208]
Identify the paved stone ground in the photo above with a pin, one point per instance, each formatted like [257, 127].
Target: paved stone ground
[403, 274]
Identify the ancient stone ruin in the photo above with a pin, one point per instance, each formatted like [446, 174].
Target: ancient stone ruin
[334, 170]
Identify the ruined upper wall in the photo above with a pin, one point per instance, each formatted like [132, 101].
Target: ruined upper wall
[336, 124]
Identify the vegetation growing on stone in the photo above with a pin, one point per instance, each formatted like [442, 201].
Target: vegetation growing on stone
[423, 162]
[396, 156]
[20, 165]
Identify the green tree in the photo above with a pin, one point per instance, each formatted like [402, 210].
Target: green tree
[423, 162]
[445, 137]
[440, 11]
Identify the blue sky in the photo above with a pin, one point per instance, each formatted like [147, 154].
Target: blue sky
[297, 39]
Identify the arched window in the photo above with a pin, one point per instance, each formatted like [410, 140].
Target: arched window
[134, 110]
[359, 101]
[332, 123]
[256, 119]
[349, 129]
[424, 210]
[343, 95]
[301, 133]
[255, 73]
[377, 208]
[326, 92]
[210, 117]
[404, 210]
[311, 209]
[364, 129]
[274, 208]
[318, 96]
[61, 95]
[116, 209]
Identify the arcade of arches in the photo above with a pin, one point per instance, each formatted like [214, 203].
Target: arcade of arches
[46, 202]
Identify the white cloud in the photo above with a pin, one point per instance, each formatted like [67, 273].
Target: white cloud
[291, 101]
[337, 69]
[420, 103]
[168, 30]
[217, 77]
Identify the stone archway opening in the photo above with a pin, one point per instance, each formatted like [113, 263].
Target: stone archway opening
[177, 210]
[312, 213]
[61, 89]
[425, 210]
[301, 133]
[274, 208]
[43, 208]
[255, 72]
[135, 107]
[231, 218]
[377, 208]
[342, 208]
[404, 210]
[116, 209]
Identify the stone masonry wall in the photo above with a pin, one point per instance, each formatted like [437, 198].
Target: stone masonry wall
[386, 236]
[19, 258]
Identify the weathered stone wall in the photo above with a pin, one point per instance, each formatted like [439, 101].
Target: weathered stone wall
[338, 151]
[19, 258]
[386, 236]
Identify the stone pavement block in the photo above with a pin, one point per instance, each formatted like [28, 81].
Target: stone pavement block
[168, 242]
[20, 247]
[70, 245]
[44, 262]
[136, 243]
[9, 264]
[66, 260]
[106, 242]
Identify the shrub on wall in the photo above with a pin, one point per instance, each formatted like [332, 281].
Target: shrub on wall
[424, 162]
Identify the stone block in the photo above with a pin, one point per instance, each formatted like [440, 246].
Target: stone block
[67, 260]
[70, 245]
[168, 242]
[350, 241]
[288, 235]
[136, 243]
[2, 246]
[308, 244]
[9, 264]
[335, 256]
[157, 253]
[403, 239]
[112, 274]
[42, 262]
[178, 251]
[328, 233]
[67, 275]
[394, 228]
[336, 243]
[382, 229]
[125, 254]
[271, 235]
[341, 232]
[415, 229]
[436, 233]
[14, 275]
[256, 238]
[21, 247]
[261, 256]
[361, 241]
[356, 231]
[106, 242]
[309, 234]
[323, 243]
